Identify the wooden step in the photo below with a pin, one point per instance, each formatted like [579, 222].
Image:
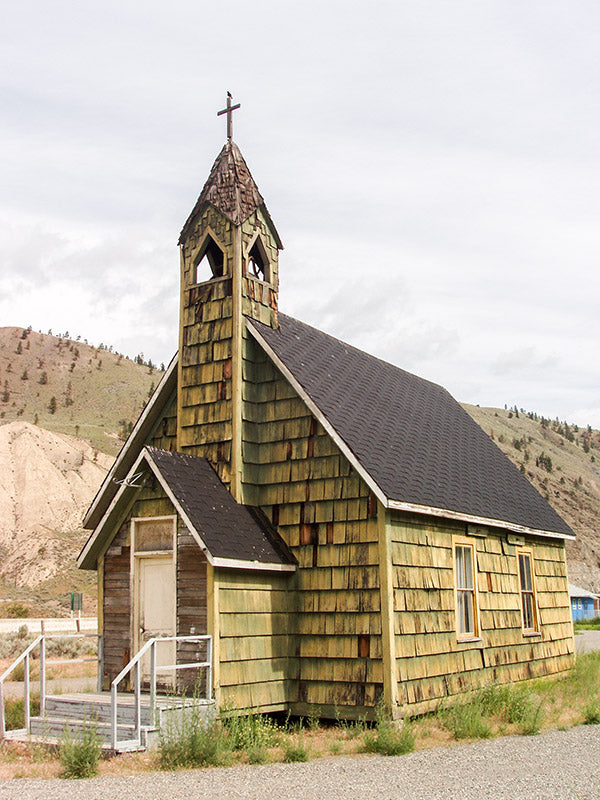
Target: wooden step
[80, 708]
[54, 727]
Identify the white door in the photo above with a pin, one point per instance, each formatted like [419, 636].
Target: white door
[156, 612]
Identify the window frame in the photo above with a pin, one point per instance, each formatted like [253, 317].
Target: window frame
[471, 546]
[527, 553]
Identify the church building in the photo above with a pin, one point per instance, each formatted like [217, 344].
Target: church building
[341, 528]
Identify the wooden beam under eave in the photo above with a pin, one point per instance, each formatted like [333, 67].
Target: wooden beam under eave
[388, 639]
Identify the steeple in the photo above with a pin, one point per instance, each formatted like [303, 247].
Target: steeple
[229, 272]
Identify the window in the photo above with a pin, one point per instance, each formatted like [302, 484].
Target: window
[466, 594]
[527, 592]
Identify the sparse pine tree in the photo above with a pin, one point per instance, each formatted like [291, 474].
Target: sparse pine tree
[24, 376]
[52, 405]
[19, 349]
[5, 393]
[43, 378]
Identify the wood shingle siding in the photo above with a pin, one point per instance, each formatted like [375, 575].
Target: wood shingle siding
[295, 471]
[432, 664]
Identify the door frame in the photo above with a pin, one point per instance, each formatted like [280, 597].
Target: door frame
[135, 575]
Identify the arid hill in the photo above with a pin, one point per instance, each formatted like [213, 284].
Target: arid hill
[68, 386]
[562, 461]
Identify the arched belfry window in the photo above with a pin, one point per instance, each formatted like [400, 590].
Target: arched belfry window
[258, 263]
[209, 263]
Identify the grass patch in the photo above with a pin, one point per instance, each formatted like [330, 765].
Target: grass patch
[295, 749]
[14, 711]
[389, 737]
[79, 755]
[193, 742]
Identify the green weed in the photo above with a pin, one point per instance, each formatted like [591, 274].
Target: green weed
[79, 756]
[295, 750]
[389, 738]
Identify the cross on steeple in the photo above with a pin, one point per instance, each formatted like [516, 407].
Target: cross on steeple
[229, 111]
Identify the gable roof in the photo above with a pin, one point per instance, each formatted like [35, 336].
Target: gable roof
[412, 442]
[230, 534]
[577, 591]
[231, 189]
[142, 431]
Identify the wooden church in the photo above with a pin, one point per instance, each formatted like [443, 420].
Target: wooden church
[341, 528]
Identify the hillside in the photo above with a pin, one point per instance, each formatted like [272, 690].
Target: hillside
[65, 408]
[71, 387]
[563, 463]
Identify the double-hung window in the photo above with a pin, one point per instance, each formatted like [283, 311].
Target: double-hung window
[466, 592]
[528, 605]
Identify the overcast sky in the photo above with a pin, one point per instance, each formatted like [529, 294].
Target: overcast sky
[432, 168]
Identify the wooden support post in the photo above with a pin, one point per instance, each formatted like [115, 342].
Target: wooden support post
[236, 363]
[388, 638]
[213, 623]
[182, 285]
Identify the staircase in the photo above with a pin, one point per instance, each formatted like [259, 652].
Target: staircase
[75, 712]
[123, 722]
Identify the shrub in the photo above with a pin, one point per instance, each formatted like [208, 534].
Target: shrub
[15, 611]
[192, 742]
[389, 738]
[250, 731]
[79, 756]
[294, 750]
[466, 719]
[591, 714]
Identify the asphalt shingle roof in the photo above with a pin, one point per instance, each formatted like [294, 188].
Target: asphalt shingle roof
[228, 529]
[417, 443]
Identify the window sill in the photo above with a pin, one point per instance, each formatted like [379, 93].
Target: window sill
[532, 634]
[469, 639]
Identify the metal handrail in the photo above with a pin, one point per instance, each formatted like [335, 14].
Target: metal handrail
[134, 664]
[25, 656]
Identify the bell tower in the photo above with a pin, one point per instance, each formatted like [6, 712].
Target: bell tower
[229, 250]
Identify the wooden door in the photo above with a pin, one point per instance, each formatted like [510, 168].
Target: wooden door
[155, 612]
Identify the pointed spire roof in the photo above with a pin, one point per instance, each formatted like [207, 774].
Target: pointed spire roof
[231, 189]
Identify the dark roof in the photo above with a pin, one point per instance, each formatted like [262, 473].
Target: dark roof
[231, 189]
[416, 442]
[142, 431]
[228, 529]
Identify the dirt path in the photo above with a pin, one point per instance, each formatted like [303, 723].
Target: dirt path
[559, 765]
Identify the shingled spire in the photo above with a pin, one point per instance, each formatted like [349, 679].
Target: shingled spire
[230, 188]
[229, 273]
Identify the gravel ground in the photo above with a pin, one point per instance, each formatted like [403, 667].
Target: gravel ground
[560, 765]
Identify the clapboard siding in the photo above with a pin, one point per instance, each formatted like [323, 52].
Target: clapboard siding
[257, 643]
[431, 662]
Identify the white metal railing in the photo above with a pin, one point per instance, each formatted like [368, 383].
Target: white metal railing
[135, 665]
[26, 657]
